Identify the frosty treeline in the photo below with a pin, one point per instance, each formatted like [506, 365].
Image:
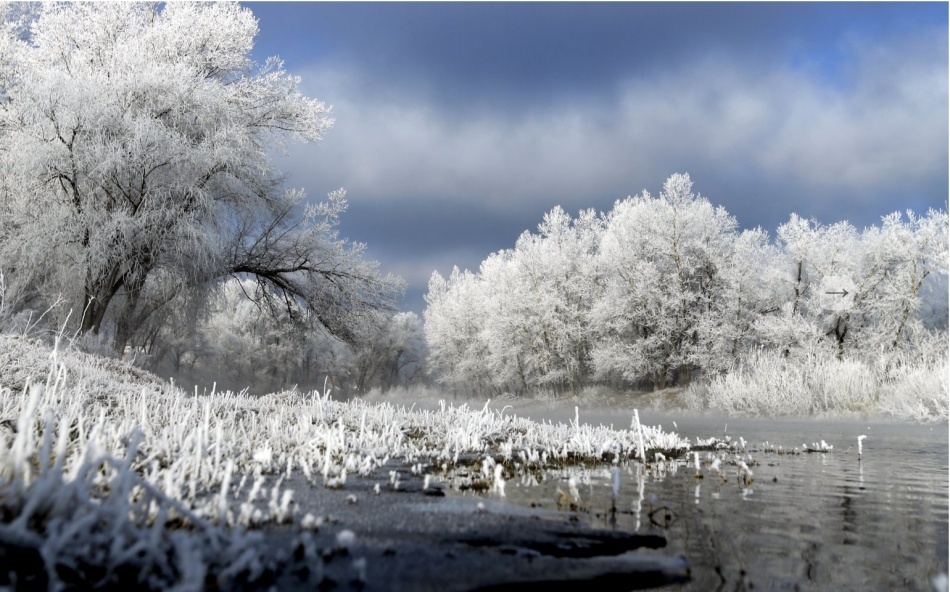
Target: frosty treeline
[666, 288]
[137, 192]
[237, 344]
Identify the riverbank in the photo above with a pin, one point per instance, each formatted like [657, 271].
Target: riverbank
[111, 477]
[411, 539]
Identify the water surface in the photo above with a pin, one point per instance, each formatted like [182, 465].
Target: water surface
[809, 521]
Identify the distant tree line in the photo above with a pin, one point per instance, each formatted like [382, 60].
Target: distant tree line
[664, 288]
[237, 344]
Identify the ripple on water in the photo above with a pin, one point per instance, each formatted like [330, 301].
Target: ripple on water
[807, 522]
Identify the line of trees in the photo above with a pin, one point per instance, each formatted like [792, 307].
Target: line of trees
[138, 206]
[237, 344]
[136, 188]
[663, 288]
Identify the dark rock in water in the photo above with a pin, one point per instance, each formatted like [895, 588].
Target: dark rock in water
[434, 490]
[420, 542]
[578, 544]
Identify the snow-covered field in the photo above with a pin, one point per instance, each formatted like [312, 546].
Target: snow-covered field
[109, 475]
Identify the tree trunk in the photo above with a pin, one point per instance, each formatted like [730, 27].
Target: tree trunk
[96, 301]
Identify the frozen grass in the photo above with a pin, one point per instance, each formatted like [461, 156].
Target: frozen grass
[110, 477]
[768, 384]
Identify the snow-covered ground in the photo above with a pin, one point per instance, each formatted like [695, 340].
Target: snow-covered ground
[109, 474]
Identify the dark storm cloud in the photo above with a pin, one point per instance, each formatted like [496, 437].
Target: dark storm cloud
[459, 125]
[471, 51]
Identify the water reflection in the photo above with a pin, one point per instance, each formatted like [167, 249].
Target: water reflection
[810, 521]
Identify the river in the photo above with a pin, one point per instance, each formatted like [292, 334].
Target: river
[808, 521]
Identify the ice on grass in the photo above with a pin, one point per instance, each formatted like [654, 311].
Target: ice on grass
[141, 459]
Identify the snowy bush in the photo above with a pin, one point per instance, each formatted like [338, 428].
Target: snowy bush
[767, 383]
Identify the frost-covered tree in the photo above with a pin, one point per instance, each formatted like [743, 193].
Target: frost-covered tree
[661, 259]
[751, 290]
[823, 263]
[520, 323]
[239, 335]
[661, 287]
[556, 273]
[265, 351]
[901, 260]
[508, 331]
[884, 270]
[455, 319]
[391, 352]
[134, 143]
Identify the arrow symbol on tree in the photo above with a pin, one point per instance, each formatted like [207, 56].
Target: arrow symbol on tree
[843, 293]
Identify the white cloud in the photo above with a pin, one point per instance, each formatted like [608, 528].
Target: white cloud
[888, 124]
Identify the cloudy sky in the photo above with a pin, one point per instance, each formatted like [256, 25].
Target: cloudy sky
[458, 125]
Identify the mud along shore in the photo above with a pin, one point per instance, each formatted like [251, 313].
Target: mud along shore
[413, 538]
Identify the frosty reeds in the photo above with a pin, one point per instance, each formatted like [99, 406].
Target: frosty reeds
[768, 384]
[147, 458]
